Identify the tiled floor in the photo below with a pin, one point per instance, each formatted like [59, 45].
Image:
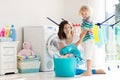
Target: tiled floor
[111, 75]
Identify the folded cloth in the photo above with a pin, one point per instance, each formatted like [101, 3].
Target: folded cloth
[72, 49]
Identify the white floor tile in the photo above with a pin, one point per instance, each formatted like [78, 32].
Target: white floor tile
[111, 75]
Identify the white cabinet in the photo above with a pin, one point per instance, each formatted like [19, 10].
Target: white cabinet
[8, 57]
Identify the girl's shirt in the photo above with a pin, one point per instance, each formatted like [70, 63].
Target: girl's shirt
[87, 25]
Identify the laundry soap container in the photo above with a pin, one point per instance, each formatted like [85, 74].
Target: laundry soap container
[29, 66]
[65, 67]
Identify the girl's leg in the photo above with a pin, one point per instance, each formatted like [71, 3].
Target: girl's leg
[89, 68]
[100, 71]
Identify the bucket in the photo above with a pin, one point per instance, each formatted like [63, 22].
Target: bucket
[65, 67]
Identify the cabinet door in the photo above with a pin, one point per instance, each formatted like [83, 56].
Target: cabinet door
[8, 51]
[9, 65]
[8, 55]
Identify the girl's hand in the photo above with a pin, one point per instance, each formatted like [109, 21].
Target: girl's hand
[90, 31]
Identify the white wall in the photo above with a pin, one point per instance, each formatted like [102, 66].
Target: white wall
[72, 8]
[34, 12]
[29, 13]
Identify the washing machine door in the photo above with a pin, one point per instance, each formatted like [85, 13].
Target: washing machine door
[52, 45]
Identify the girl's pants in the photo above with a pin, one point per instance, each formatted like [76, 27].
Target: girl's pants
[81, 71]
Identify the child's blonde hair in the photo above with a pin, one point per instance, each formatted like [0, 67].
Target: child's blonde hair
[84, 9]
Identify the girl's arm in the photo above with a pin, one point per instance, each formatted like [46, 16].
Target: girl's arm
[82, 35]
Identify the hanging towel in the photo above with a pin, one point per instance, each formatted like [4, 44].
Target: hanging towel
[95, 33]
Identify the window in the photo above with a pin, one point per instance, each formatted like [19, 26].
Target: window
[111, 7]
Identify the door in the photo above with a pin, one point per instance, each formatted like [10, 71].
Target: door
[52, 46]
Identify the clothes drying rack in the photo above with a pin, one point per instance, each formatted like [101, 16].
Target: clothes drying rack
[100, 25]
[111, 57]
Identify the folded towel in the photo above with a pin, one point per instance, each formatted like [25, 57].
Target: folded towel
[72, 49]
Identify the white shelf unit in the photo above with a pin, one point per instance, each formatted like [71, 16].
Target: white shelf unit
[111, 56]
[8, 57]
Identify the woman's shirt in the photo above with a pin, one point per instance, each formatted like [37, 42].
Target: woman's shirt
[75, 39]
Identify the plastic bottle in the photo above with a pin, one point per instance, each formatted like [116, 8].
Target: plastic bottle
[7, 31]
[2, 33]
[13, 33]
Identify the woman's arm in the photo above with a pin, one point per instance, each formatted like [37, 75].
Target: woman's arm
[82, 35]
[60, 45]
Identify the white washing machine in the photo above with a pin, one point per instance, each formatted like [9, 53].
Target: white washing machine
[43, 40]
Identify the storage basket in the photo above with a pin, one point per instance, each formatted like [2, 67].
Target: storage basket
[29, 66]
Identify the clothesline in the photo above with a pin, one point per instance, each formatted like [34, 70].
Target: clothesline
[98, 24]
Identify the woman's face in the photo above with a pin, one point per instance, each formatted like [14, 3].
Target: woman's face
[67, 29]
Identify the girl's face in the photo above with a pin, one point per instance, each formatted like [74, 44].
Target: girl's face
[67, 29]
[85, 14]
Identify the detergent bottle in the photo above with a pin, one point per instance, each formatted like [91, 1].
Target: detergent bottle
[7, 31]
[2, 33]
[13, 33]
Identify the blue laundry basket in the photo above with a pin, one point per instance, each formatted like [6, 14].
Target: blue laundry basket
[65, 67]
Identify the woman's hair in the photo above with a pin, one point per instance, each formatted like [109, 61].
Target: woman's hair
[61, 33]
[84, 9]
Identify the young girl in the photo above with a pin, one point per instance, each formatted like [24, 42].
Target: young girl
[66, 37]
[87, 37]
